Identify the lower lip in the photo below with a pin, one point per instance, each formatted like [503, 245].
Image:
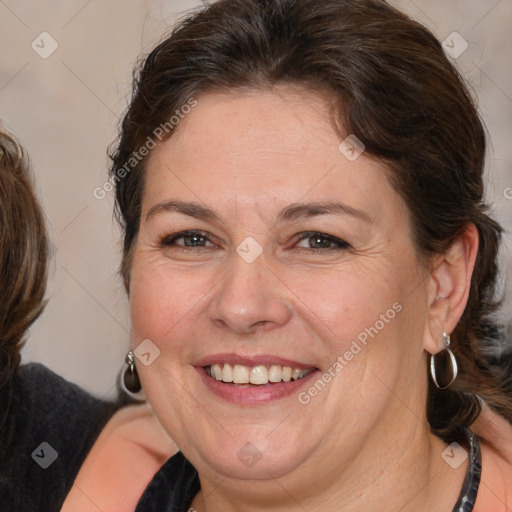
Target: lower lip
[254, 395]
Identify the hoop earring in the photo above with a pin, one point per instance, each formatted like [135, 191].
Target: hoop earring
[453, 362]
[130, 382]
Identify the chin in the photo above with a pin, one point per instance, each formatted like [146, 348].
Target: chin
[248, 463]
[252, 454]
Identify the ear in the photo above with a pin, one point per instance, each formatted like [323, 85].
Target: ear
[450, 281]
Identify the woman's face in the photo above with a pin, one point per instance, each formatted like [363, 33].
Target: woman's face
[267, 252]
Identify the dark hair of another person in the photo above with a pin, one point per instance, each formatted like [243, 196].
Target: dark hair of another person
[23, 253]
[391, 85]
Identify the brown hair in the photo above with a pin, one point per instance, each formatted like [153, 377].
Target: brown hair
[23, 253]
[393, 87]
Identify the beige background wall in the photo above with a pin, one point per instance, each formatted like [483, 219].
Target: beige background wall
[65, 109]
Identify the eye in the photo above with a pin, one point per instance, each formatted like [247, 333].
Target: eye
[321, 241]
[187, 239]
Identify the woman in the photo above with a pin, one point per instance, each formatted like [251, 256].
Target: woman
[310, 264]
[47, 425]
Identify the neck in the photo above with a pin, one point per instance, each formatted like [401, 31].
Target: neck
[399, 472]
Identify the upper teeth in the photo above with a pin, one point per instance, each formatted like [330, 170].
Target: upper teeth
[239, 374]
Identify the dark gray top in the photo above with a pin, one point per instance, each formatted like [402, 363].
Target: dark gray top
[47, 427]
[172, 489]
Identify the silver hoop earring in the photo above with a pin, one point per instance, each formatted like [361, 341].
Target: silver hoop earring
[129, 381]
[453, 363]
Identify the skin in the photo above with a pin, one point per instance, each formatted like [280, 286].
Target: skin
[128, 452]
[495, 435]
[247, 157]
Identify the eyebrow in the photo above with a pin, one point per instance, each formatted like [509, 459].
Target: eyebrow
[303, 210]
[191, 209]
[290, 213]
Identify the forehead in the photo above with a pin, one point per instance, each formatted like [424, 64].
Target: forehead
[260, 147]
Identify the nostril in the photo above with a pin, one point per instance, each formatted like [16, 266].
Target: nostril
[260, 324]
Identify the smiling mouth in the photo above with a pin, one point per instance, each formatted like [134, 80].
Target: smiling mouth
[259, 375]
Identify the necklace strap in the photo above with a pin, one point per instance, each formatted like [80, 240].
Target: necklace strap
[467, 496]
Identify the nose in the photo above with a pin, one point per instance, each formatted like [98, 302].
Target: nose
[250, 297]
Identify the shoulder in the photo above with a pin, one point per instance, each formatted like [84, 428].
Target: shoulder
[35, 379]
[129, 451]
[47, 417]
[35, 383]
[495, 434]
[47, 407]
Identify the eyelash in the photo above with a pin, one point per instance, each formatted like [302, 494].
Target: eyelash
[171, 239]
[339, 244]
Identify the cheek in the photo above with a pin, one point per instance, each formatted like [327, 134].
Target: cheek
[162, 301]
[347, 301]
[365, 324]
